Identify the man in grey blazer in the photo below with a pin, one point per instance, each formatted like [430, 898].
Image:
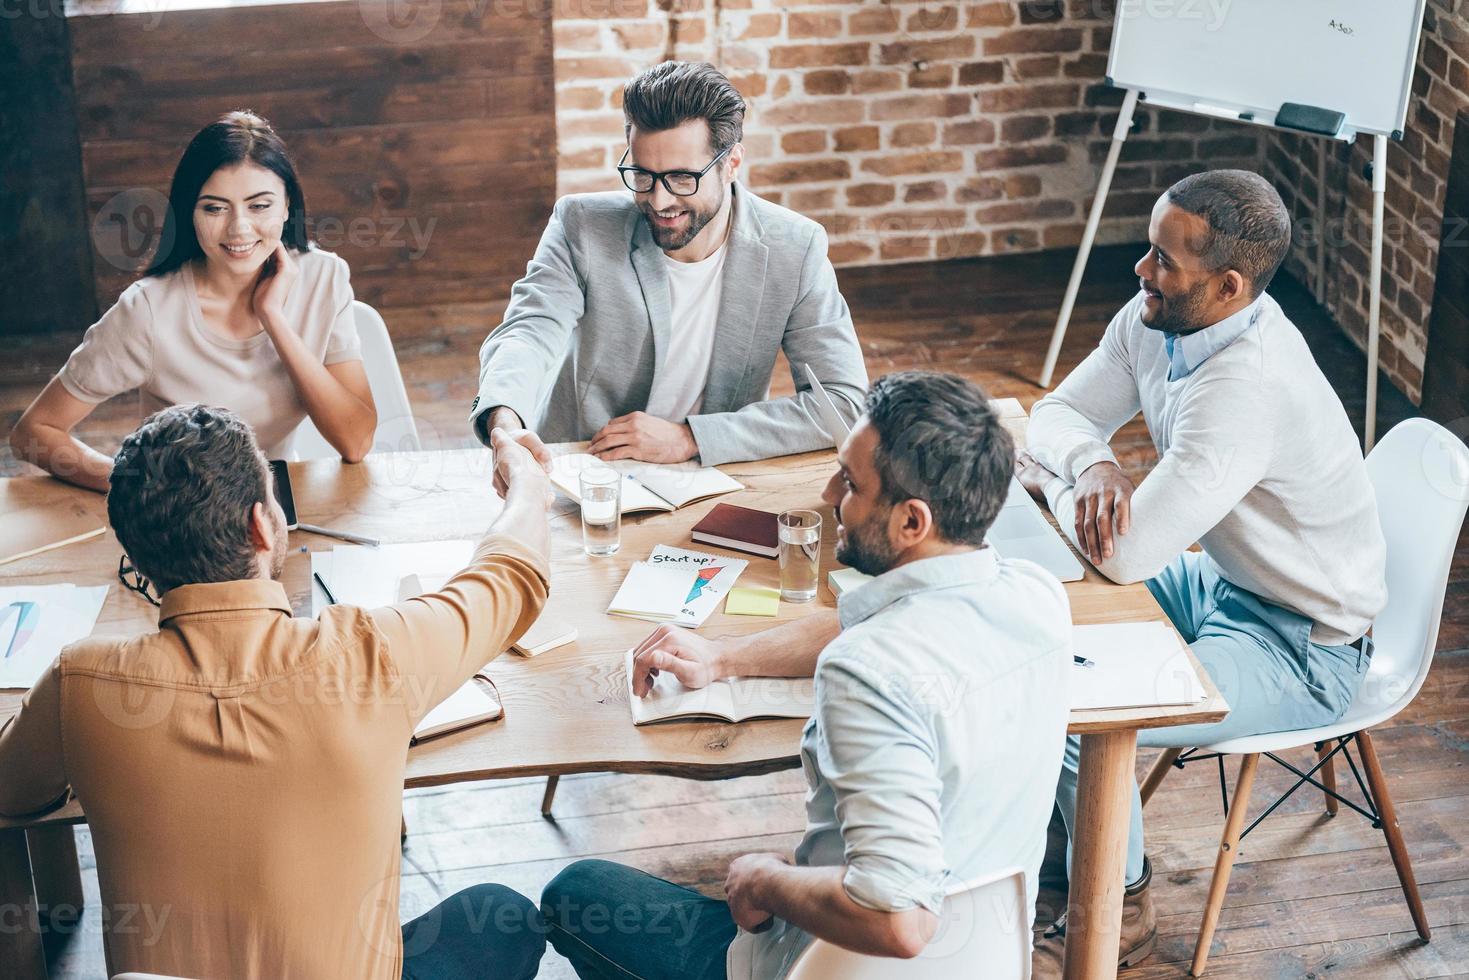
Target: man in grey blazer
[649, 323]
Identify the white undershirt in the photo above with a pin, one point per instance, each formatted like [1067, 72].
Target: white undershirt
[693, 291]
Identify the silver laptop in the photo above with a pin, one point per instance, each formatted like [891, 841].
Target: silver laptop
[831, 420]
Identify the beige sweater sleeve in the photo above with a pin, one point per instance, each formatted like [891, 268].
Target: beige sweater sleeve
[32, 775]
[439, 640]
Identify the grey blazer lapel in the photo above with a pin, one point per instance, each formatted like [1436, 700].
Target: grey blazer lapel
[739, 308]
[647, 262]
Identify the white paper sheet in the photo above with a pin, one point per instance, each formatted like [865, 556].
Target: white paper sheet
[36, 621]
[1136, 665]
[371, 577]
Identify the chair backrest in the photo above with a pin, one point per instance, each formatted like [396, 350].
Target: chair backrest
[1420, 474]
[984, 934]
[396, 430]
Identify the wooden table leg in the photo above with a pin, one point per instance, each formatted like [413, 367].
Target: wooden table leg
[1099, 859]
[20, 928]
[57, 872]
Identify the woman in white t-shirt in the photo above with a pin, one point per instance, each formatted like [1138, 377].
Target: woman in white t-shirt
[238, 310]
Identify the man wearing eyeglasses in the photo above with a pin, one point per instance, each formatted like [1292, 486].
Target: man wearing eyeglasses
[650, 324]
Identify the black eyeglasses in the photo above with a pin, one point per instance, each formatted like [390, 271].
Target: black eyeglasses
[133, 581]
[680, 183]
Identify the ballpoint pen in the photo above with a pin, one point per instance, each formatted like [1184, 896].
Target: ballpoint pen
[342, 535]
[1079, 661]
[331, 600]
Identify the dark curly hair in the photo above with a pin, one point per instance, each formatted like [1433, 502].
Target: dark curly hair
[183, 486]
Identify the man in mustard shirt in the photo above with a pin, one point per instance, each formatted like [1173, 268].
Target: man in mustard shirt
[241, 769]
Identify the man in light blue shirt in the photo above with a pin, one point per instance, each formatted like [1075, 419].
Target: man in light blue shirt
[940, 718]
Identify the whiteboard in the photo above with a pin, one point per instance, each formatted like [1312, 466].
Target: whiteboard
[1249, 56]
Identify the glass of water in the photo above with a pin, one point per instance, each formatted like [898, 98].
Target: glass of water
[601, 510]
[800, 554]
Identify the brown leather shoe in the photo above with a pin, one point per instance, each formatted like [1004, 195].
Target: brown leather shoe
[1139, 932]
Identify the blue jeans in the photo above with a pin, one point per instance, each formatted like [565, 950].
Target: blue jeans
[1261, 658]
[617, 923]
[486, 932]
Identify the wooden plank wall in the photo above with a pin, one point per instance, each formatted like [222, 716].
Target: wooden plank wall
[426, 143]
[43, 232]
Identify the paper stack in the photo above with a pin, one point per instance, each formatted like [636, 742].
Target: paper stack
[36, 621]
[1134, 665]
[676, 586]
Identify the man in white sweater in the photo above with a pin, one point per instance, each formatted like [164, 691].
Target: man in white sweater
[1258, 464]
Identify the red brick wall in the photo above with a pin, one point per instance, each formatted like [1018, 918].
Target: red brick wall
[1418, 170]
[913, 131]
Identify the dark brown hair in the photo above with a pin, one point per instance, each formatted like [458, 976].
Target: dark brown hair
[183, 486]
[234, 138]
[673, 92]
[940, 441]
[1249, 227]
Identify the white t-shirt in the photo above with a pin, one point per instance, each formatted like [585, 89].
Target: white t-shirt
[155, 339]
[694, 289]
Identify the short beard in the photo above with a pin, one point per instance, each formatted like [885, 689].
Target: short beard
[278, 551]
[1181, 314]
[866, 548]
[671, 241]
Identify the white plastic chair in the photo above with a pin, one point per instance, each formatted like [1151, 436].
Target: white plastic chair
[984, 934]
[1420, 473]
[396, 430]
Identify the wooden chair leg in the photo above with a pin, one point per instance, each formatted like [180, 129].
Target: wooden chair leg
[22, 953]
[57, 872]
[1328, 777]
[1156, 774]
[1224, 862]
[550, 796]
[1395, 845]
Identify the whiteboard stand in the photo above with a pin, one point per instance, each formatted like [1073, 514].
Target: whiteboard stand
[1374, 280]
[1374, 311]
[1119, 134]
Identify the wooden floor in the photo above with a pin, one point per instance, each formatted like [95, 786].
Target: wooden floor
[1311, 896]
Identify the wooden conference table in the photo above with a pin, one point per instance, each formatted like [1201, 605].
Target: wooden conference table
[566, 711]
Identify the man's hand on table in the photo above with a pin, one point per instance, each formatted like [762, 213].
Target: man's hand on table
[696, 661]
[645, 437]
[1032, 476]
[509, 423]
[1103, 498]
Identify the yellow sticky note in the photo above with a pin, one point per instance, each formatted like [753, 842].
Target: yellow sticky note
[752, 602]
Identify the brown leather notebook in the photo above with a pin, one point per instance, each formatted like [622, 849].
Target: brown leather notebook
[740, 529]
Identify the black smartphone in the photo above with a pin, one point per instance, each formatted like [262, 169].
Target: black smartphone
[283, 491]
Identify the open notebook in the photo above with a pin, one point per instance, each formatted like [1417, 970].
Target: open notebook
[475, 702]
[647, 486]
[733, 699]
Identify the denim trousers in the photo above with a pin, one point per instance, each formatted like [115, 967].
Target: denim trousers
[617, 923]
[485, 932]
[1261, 658]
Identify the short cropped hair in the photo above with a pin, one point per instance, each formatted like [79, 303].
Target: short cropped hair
[671, 93]
[182, 489]
[940, 441]
[1249, 227]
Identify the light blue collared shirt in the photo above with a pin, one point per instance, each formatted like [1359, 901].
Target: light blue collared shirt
[932, 754]
[1187, 351]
